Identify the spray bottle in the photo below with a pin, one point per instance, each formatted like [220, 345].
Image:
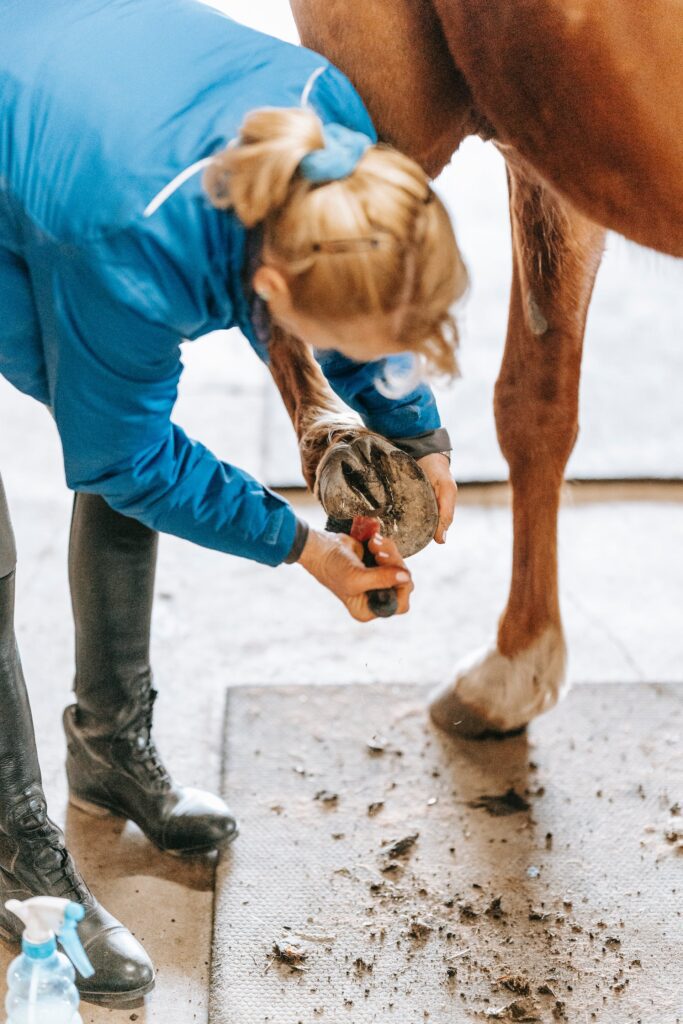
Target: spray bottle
[41, 979]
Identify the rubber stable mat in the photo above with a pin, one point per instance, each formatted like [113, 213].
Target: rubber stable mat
[387, 873]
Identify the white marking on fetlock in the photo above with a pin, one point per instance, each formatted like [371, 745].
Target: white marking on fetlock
[508, 692]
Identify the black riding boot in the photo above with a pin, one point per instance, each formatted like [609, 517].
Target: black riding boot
[33, 858]
[113, 765]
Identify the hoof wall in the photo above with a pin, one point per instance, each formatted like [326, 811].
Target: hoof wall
[449, 713]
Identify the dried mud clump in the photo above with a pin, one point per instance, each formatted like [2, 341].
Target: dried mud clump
[502, 805]
[290, 956]
[401, 846]
[519, 1010]
[516, 983]
[326, 796]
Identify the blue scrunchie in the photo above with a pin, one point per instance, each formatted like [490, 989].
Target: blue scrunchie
[343, 149]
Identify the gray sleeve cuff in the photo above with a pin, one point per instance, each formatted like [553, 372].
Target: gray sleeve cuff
[424, 444]
[300, 538]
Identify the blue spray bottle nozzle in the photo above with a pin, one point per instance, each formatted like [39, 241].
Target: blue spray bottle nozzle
[40, 980]
[46, 917]
[70, 941]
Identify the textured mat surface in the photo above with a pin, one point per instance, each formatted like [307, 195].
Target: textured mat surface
[387, 873]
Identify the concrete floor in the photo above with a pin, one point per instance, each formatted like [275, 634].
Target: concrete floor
[221, 622]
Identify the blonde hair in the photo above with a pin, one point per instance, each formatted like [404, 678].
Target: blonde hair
[375, 242]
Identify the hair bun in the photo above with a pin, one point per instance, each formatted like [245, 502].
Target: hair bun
[255, 173]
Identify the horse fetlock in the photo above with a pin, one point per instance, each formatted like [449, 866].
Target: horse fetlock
[493, 693]
[321, 437]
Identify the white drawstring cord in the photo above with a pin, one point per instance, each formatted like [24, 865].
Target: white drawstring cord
[308, 88]
[180, 179]
[189, 172]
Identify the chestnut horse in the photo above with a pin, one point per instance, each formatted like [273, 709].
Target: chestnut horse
[584, 99]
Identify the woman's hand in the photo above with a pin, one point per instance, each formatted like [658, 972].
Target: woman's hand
[336, 561]
[437, 469]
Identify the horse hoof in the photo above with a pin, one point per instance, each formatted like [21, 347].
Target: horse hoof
[368, 476]
[493, 695]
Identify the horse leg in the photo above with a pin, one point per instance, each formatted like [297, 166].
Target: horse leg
[319, 418]
[556, 254]
[352, 470]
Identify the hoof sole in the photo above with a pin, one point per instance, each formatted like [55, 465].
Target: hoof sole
[368, 476]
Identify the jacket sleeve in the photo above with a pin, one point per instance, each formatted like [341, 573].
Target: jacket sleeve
[410, 421]
[113, 387]
[398, 417]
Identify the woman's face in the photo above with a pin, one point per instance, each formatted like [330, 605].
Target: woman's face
[361, 338]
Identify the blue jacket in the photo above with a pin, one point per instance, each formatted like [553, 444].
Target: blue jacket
[102, 103]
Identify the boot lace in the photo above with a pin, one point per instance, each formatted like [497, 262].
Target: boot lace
[139, 735]
[51, 862]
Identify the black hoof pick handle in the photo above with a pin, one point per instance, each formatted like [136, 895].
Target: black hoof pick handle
[382, 603]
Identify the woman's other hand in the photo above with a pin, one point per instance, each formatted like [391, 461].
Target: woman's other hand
[437, 468]
[336, 561]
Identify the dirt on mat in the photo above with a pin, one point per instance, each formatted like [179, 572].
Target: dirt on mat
[514, 881]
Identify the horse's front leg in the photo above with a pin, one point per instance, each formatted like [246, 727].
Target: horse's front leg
[353, 471]
[556, 254]
[319, 418]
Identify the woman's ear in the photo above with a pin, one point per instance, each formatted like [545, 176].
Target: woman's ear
[271, 286]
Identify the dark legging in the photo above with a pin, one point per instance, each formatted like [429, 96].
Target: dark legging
[8, 551]
[19, 770]
[112, 561]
